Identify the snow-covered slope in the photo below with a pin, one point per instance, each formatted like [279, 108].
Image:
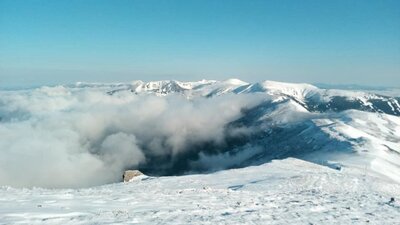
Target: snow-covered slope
[289, 191]
[321, 125]
[303, 155]
[172, 127]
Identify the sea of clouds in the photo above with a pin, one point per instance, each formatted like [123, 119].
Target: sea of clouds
[78, 137]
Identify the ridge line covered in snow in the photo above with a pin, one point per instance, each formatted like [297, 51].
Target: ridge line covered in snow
[172, 128]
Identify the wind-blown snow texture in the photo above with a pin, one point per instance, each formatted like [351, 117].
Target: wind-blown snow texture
[287, 191]
[88, 134]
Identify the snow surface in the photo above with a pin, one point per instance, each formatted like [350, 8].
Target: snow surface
[289, 191]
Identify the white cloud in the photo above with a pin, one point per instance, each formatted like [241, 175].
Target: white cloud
[66, 137]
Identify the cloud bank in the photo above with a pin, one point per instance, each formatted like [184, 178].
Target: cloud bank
[78, 137]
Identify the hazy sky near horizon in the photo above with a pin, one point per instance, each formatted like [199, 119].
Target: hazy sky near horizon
[46, 42]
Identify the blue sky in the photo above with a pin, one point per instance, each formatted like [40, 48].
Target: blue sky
[314, 41]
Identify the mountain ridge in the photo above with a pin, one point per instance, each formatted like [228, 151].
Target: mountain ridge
[175, 128]
[310, 96]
